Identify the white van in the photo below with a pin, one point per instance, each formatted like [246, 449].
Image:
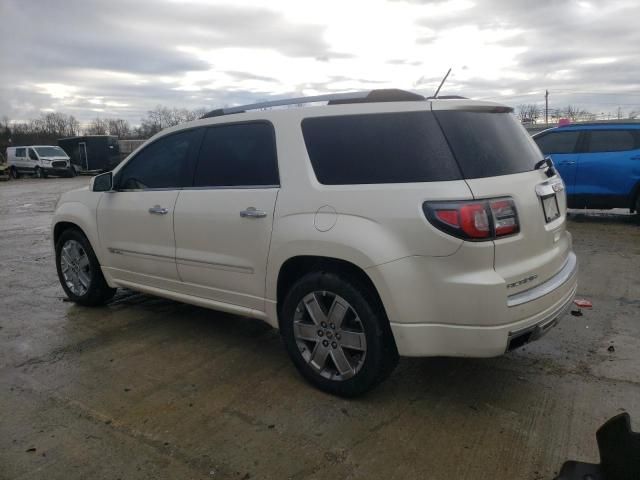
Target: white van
[38, 160]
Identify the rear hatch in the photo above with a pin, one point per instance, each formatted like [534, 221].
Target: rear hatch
[497, 157]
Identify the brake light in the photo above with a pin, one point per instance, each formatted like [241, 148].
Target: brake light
[474, 220]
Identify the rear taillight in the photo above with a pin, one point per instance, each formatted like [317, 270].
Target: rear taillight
[474, 220]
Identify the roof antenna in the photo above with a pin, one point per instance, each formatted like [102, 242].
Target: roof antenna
[435, 95]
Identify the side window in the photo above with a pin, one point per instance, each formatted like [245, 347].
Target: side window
[237, 155]
[32, 155]
[558, 142]
[163, 164]
[20, 152]
[611, 141]
[378, 148]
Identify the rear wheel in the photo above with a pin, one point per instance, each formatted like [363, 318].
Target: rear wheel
[14, 172]
[337, 334]
[79, 271]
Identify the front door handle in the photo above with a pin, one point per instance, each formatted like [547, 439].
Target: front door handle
[636, 157]
[567, 162]
[158, 210]
[251, 212]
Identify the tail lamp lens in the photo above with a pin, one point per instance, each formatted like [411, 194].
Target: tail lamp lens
[474, 220]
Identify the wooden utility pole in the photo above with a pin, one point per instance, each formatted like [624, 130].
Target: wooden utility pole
[546, 107]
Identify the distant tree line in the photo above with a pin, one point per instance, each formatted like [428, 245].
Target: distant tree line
[530, 113]
[50, 126]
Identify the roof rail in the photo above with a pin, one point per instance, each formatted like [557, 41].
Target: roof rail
[614, 121]
[366, 96]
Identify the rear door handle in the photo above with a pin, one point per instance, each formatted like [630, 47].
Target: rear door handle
[251, 212]
[158, 210]
[567, 162]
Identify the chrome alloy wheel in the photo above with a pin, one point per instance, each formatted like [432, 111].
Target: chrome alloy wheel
[330, 335]
[75, 267]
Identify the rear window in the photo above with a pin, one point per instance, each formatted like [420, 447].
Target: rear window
[378, 148]
[488, 144]
[612, 141]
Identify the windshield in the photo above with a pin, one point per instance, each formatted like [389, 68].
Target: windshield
[488, 144]
[50, 152]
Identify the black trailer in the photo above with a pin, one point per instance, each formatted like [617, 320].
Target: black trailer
[92, 153]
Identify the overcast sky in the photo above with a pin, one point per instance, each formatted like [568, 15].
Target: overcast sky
[120, 58]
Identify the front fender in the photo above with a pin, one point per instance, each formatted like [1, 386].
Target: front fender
[84, 216]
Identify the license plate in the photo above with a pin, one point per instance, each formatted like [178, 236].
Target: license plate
[550, 207]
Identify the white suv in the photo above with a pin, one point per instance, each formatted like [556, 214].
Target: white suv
[381, 224]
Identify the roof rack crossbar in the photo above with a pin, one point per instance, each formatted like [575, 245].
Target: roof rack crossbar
[332, 99]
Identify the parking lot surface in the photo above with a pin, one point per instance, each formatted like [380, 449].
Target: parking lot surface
[150, 388]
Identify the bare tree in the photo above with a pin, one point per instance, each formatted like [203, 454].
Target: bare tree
[577, 114]
[97, 126]
[528, 113]
[118, 127]
[633, 114]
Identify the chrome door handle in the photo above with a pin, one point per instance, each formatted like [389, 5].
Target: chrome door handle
[158, 210]
[251, 212]
[567, 162]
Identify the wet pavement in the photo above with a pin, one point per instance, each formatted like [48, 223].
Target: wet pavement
[150, 388]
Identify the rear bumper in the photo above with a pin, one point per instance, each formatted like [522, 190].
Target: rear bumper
[461, 307]
[419, 340]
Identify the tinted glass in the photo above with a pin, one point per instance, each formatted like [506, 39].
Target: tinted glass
[20, 152]
[558, 142]
[237, 155]
[612, 141]
[378, 148]
[488, 144]
[32, 154]
[163, 164]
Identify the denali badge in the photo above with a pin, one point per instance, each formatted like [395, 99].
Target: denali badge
[522, 282]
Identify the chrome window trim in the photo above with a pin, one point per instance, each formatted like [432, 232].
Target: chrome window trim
[235, 187]
[568, 270]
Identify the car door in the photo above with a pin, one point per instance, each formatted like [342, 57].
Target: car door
[563, 148]
[609, 171]
[135, 221]
[20, 159]
[33, 159]
[223, 224]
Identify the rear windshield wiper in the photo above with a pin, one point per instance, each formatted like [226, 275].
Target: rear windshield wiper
[548, 163]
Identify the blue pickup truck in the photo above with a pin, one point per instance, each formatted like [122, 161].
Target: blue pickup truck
[599, 163]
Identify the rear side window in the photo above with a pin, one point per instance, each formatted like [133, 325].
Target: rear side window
[612, 141]
[163, 164]
[20, 152]
[237, 155]
[378, 148]
[558, 142]
[488, 144]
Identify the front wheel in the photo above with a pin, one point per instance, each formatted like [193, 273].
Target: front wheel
[337, 334]
[79, 271]
[40, 173]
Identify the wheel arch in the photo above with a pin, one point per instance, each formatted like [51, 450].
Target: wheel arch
[298, 266]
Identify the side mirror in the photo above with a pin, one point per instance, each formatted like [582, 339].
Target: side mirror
[103, 182]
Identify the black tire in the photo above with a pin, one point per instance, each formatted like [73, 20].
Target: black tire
[98, 292]
[381, 355]
[72, 171]
[38, 172]
[14, 173]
